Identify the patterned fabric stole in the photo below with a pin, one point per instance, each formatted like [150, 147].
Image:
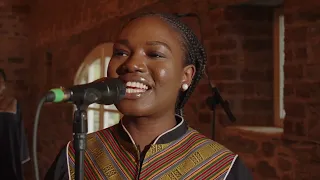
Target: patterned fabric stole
[105, 158]
[191, 157]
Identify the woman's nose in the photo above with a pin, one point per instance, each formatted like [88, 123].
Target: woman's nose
[134, 63]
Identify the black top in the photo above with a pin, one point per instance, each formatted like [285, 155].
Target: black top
[59, 168]
[14, 147]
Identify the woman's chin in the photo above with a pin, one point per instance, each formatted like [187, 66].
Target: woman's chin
[136, 106]
[134, 111]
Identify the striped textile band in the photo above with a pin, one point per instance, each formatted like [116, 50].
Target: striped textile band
[192, 156]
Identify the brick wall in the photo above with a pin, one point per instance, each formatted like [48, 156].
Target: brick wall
[14, 52]
[240, 62]
[75, 17]
[302, 65]
[302, 83]
[295, 154]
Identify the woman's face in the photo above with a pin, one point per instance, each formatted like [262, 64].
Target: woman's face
[148, 57]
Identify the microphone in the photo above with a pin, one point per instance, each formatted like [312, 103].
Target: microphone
[102, 91]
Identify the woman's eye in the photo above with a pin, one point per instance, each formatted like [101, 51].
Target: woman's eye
[120, 53]
[155, 55]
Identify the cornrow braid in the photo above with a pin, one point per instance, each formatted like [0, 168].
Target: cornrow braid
[194, 53]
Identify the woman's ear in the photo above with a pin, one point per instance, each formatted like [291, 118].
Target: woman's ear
[188, 74]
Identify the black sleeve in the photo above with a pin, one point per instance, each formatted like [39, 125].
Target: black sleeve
[239, 171]
[10, 160]
[24, 150]
[59, 168]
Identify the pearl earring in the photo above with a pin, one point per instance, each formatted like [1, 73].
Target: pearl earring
[185, 86]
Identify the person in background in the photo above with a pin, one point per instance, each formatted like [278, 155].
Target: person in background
[161, 61]
[14, 147]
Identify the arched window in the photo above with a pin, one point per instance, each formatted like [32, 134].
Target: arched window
[94, 67]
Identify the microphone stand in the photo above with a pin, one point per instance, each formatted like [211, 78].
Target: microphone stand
[80, 130]
[212, 102]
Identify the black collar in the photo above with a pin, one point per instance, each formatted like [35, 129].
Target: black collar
[166, 137]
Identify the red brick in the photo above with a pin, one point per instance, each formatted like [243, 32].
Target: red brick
[296, 34]
[204, 88]
[300, 53]
[203, 105]
[23, 9]
[244, 28]
[289, 90]
[314, 31]
[313, 128]
[293, 72]
[300, 129]
[312, 72]
[288, 127]
[290, 17]
[257, 105]
[311, 15]
[21, 72]
[258, 59]
[301, 81]
[313, 110]
[254, 118]
[295, 110]
[237, 89]
[288, 54]
[212, 60]
[228, 59]
[315, 51]
[92, 14]
[251, 75]
[248, 13]
[205, 117]
[225, 44]
[263, 90]
[257, 44]
[14, 46]
[308, 91]
[223, 73]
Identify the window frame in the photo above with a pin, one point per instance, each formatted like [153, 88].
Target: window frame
[277, 91]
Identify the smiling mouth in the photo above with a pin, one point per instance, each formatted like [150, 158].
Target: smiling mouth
[136, 87]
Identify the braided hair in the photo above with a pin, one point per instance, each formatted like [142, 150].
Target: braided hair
[193, 49]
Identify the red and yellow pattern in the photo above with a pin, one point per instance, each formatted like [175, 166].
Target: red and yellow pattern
[193, 156]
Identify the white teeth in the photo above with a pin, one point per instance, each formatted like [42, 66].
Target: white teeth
[136, 87]
[130, 90]
[134, 84]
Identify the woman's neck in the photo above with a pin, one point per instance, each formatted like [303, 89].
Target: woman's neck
[144, 130]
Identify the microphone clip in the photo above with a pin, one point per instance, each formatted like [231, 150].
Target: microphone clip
[216, 99]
